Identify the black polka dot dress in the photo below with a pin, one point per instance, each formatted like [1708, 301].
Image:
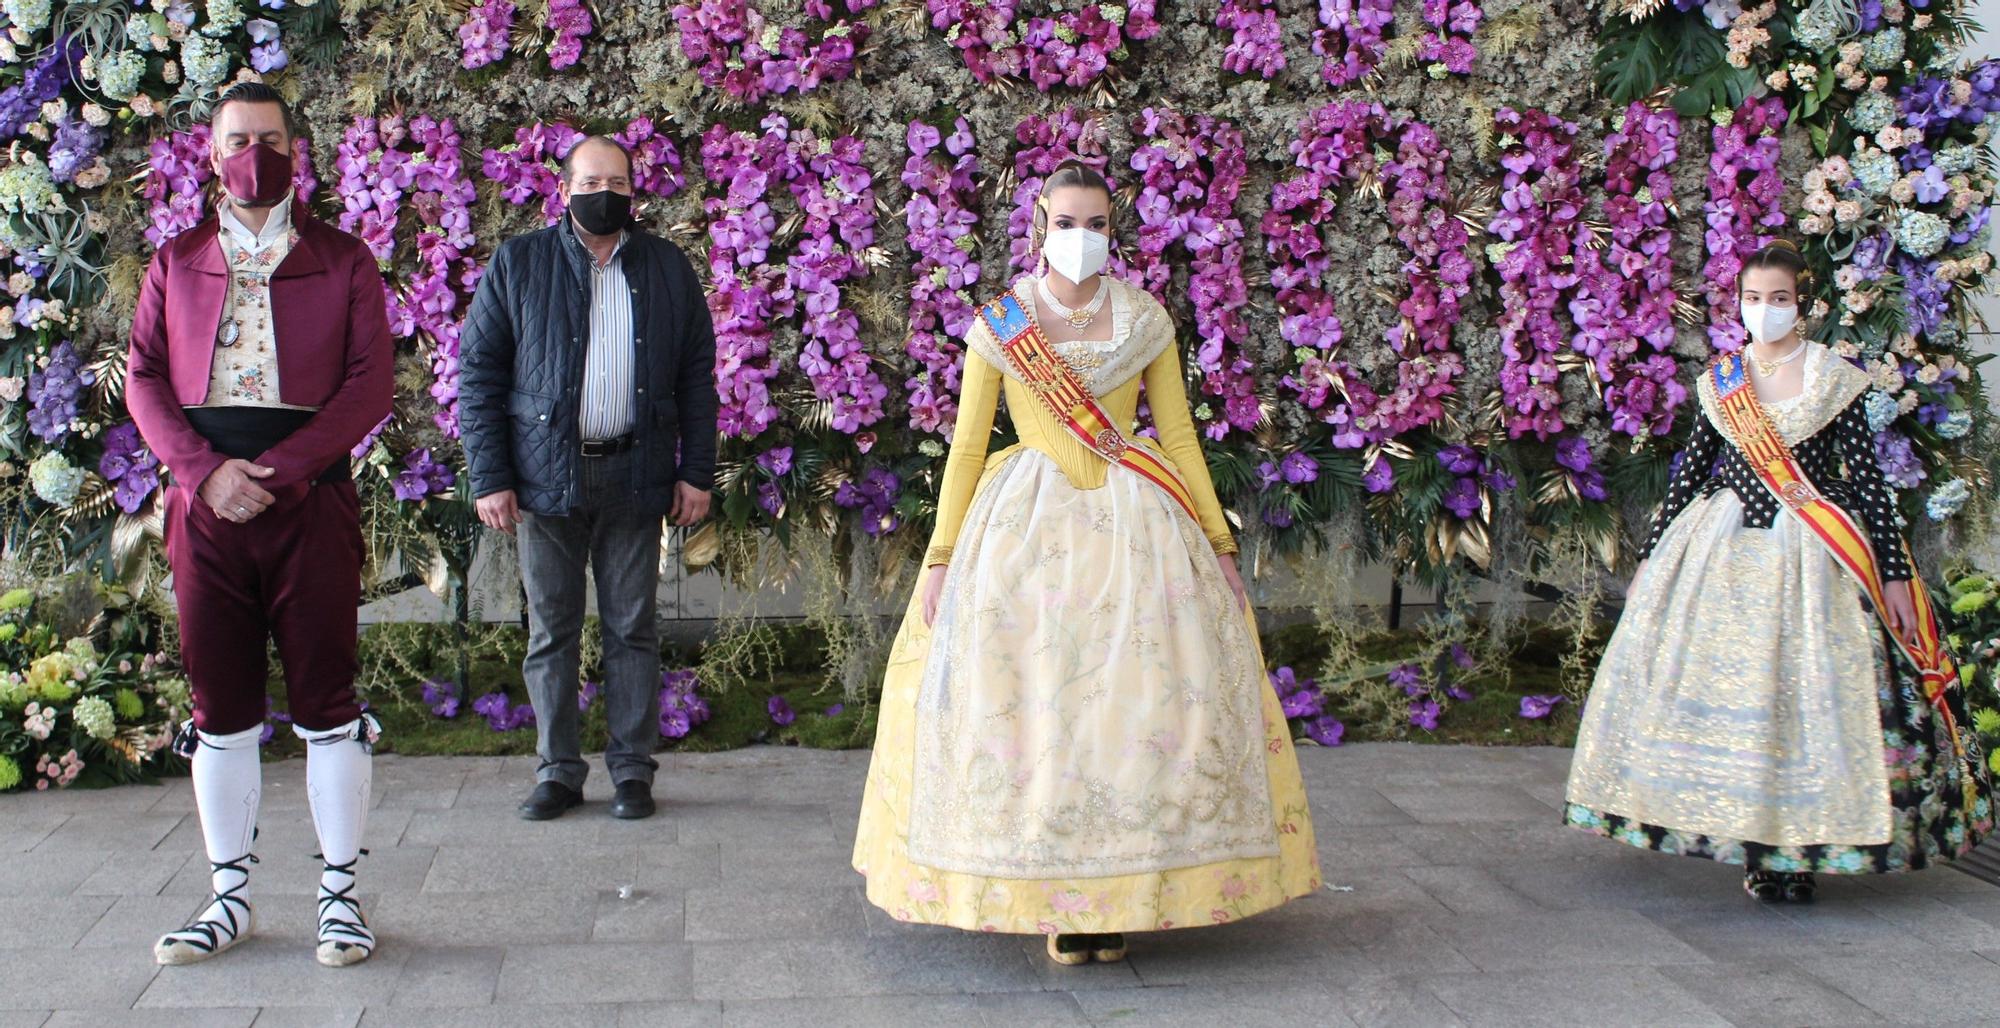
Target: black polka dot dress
[1750, 708]
[1839, 460]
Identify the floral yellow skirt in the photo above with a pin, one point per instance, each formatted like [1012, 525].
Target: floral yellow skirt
[1085, 741]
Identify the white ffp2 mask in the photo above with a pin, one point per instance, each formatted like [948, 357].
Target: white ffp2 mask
[1766, 322]
[1076, 253]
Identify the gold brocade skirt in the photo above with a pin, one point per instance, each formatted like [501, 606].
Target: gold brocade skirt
[1086, 740]
[1740, 697]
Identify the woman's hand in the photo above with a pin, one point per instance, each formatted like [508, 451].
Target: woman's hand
[1235, 580]
[933, 591]
[1902, 610]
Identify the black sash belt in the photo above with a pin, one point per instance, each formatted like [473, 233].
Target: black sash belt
[247, 432]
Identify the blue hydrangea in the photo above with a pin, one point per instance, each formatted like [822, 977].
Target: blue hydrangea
[1921, 233]
[204, 61]
[1948, 499]
[1872, 113]
[119, 75]
[1953, 160]
[1883, 51]
[1876, 171]
[1955, 425]
[1946, 335]
[1882, 410]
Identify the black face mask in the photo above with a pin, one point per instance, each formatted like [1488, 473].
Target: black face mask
[601, 213]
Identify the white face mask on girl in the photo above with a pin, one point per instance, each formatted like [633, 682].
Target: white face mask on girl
[1766, 322]
[1076, 253]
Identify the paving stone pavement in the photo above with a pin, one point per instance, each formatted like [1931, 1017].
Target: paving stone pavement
[1454, 898]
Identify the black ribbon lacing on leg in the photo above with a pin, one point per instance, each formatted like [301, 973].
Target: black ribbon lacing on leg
[204, 932]
[342, 931]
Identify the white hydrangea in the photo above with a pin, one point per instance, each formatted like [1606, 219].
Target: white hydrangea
[203, 61]
[27, 15]
[55, 480]
[139, 30]
[119, 75]
[94, 715]
[26, 187]
[223, 15]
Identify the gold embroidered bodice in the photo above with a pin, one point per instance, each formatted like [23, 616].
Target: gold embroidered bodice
[1142, 352]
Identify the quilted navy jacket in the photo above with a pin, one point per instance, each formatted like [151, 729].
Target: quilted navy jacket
[521, 371]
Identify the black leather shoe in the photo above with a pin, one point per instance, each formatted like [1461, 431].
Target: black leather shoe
[632, 800]
[549, 801]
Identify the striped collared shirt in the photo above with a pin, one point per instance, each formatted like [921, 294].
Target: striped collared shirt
[608, 364]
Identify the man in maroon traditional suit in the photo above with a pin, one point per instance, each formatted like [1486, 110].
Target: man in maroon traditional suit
[260, 357]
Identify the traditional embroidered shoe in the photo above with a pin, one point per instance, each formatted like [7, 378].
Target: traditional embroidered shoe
[1764, 886]
[344, 937]
[1107, 949]
[222, 923]
[1800, 888]
[1069, 950]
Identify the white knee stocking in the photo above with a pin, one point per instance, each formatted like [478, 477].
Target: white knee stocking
[228, 780]
[338, 771]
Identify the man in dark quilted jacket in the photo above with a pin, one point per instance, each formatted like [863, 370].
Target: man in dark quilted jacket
[588, 403]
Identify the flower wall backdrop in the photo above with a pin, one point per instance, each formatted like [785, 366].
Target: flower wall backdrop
[1443, 271]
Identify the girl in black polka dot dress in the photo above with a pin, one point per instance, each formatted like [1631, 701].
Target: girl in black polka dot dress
[1751, 707]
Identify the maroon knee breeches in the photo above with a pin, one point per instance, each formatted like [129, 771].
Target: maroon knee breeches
[291, 574]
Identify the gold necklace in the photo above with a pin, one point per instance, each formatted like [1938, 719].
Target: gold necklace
[1079, 318]
[1768, 368]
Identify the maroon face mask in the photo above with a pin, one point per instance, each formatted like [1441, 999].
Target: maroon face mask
[257, 175]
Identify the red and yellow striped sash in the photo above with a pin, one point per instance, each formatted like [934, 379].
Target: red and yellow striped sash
[1754, 434]
[1038, 367]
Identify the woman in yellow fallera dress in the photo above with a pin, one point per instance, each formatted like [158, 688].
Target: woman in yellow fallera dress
[1077, 738]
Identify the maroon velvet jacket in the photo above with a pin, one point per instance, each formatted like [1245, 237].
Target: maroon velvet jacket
[330, 321]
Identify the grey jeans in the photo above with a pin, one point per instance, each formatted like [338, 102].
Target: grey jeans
[622, 546]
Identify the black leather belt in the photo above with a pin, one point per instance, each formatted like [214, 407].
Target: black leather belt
[607, 447]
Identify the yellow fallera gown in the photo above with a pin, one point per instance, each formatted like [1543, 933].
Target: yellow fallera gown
[1085, 740]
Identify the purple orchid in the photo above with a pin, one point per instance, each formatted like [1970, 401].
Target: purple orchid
[1325, 730]
[55, 392]
[422, 477]
[442, 697]
[1299, 468]
[1537, 707]
[129, 466]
